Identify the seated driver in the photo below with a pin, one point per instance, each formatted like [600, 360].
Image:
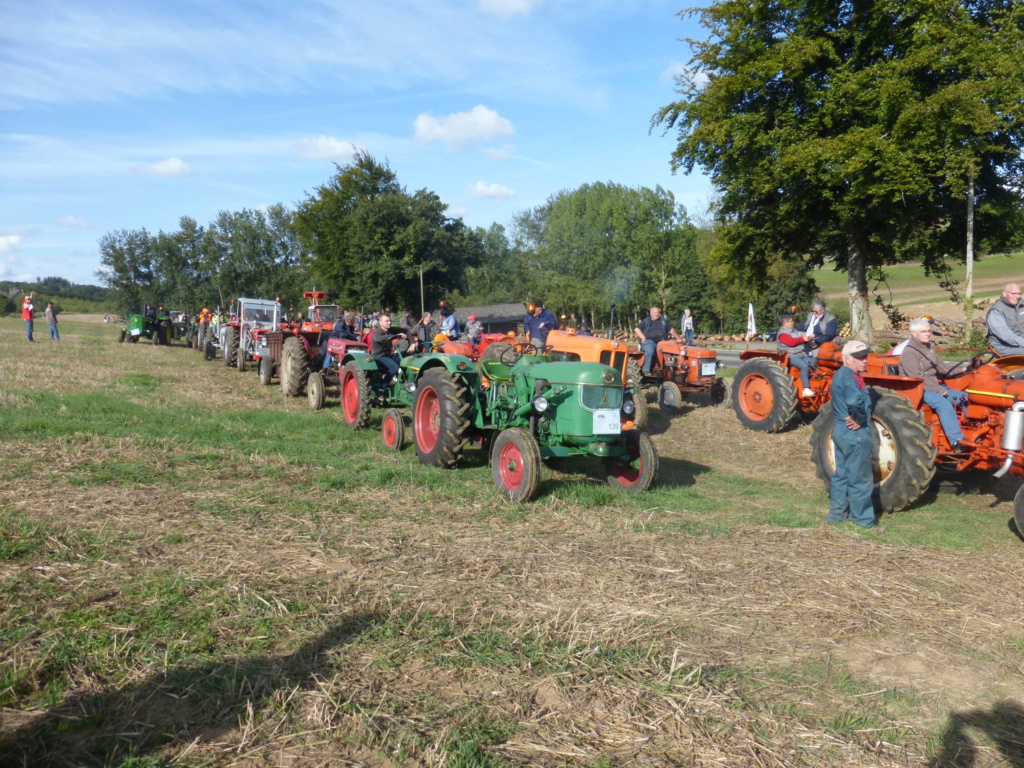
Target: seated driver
[650, 331]
[380, 347]
[345, 329]
[795, 344]
[919, 361]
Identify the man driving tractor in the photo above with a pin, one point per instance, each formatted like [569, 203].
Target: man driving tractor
[650, 331]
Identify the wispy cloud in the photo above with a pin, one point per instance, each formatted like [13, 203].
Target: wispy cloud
[677, 71]
[507, 7]
[171, 167]
[493, 191]
[459, 129]
[10, 243]
[325, 148]
[504, 152]
[73, 222]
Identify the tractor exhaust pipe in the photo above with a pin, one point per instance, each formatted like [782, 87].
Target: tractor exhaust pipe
[1013, 435]
[611, 323]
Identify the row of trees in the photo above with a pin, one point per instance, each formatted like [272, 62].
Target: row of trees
[368, 242]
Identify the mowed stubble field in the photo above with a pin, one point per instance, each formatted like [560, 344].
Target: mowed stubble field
[198, 572]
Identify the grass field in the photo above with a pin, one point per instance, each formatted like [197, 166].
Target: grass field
[909, 287]
[197, 572]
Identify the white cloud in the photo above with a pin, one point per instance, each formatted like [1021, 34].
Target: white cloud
[454, 209]
[677, 70]
[325, 148]
[10, 243]
[459, 129]
[73, 222]
[494, 191]
[507, 7]
[172, 166]
[504, 152]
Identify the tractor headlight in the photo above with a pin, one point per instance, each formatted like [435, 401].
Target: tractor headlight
[540, 404]
[410, 386]
[628, 407]
[609, 377]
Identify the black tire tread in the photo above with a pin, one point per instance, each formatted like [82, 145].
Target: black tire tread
[294, 367]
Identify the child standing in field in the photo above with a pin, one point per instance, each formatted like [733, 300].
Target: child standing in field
[51, 320]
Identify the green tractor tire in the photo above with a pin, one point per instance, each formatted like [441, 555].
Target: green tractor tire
[440, 418]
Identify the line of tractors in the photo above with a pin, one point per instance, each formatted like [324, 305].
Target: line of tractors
[585, 396]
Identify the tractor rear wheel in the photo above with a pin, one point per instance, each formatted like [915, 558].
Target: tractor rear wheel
[670, 399]
[903, 456]
[294, 367]
[763, 396]
[634, 375]
[1018, 510]
[355, 395]
[642, 412]
[121, 336]
[440, 419]
[392, 429]
[266, 370]
[315, 390]
[516, 465]
[495, 350]
[230, 351]
[638, 471]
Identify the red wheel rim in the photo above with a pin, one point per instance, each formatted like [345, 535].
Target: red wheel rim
[629, 473]
[428, 419]
[757, 397]
[390, 432]
[510, 466]
[350, 397]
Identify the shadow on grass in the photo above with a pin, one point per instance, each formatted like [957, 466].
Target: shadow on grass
[1003, 725]
[183, 704]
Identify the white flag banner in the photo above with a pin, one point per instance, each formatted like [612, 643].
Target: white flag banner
[751, 323]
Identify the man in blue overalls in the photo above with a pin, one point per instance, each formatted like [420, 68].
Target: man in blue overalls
[851, 437]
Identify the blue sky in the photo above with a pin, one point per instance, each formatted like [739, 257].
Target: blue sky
[122, 115]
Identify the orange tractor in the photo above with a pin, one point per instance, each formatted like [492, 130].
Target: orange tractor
[680, 371]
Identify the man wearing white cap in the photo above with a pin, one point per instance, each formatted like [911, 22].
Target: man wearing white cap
[851, 436]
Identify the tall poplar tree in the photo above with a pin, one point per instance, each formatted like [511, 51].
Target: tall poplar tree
[848, 130]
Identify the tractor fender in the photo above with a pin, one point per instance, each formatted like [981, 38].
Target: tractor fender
[362, 359]
[904, 386]
[457, 365]
[750, 354]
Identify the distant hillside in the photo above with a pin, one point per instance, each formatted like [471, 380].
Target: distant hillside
[65, 295]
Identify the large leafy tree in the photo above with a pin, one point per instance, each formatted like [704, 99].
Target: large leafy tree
[851, 130]
[126, 258]
[369, 241]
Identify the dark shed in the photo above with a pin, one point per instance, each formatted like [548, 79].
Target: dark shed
[496, 318]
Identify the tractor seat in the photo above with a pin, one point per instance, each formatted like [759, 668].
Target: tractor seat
[495, 370]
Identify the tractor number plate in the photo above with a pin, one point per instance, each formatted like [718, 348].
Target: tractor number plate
[607, 423]
[136, 331]
[708, 369]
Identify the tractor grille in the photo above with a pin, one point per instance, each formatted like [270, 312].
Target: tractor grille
[600, 398]
[274, 339]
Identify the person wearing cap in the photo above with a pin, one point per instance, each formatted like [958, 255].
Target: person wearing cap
[1005, 321]
[852, 404]
[28, 314]
[920, 361]
[474, 330]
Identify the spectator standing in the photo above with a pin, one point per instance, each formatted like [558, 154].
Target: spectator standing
[650, 331]
[793, 343]
[820, 325]
[686, 325]
[850, 494]
[425, 330]
[28, 314]
[543, 323]
[919, 361]
[1005, 321]
[51, 320]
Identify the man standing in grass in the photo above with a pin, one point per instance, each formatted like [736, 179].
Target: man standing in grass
[51, 320]
[28, 315]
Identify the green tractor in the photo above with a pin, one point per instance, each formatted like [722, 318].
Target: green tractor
[525, 409]
[141, 327]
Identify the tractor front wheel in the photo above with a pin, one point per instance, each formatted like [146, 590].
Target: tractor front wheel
[670, 399]
[266, 370]
[763, 395]
[1018, 510]
[208, 351]
[516, 465]
[355, 395]
[440, 420]
[902, 457]
[121, 336]
[634, 375]
[294, 367]
[315, 390]
[721, 393]
[638, 470]
[392, 429]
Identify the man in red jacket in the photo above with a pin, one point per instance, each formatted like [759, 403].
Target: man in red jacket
[28, 314]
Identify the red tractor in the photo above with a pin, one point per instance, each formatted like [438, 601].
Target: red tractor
[300, 351]
[680, 371]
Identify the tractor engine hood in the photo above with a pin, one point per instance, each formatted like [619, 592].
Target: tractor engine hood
[575, 373]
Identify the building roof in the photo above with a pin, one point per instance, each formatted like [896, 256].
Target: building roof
[493, 313]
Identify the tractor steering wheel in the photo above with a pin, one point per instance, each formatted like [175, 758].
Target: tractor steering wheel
[971, 364]
[516, 351]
